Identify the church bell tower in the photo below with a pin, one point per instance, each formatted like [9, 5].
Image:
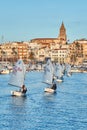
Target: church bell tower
[62, 33]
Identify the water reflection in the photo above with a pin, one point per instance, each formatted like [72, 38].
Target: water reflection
[18, 101]
[18, 112]
[49, 96]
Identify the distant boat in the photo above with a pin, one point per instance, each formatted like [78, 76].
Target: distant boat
[4, 71]
[58, 73]
[68, 70]
[4, 68]
[17, 78]
[48, 77]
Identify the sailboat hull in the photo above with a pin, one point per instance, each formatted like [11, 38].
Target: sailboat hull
[17, 93]
[4, 71]
[49, 90]
[68, 74]
[59, 80]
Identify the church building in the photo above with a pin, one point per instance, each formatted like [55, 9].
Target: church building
[61, 39]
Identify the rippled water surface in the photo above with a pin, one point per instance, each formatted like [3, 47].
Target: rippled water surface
[64, 110]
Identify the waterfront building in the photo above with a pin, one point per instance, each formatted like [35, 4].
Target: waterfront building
[78, 51]
[23, 51]
[59, 55]
[7, 51]
[59, 52]
[83, 45]
[12, 51]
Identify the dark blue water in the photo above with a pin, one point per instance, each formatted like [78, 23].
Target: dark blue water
[64, 110]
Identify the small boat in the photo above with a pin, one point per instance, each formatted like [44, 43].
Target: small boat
[58, 73]
[4, 71]
[48, 77]
[59, 80]
[48, 73]
[49, 90]
[17, 78]
[68, 70]
[17, 93]
[68, 74]
[52, 89]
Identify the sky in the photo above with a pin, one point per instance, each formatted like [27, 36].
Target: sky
[23, 20]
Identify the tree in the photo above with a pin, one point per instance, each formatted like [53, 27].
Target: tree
[73, 58]
[3, 53]
[14, 54]
[31, 56]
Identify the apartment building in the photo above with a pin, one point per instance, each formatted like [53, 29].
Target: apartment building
[83, 45]
[59, 55]
[23, 51]
[13, 51]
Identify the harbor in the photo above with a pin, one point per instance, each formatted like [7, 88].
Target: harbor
[43, 65]
[65, 109]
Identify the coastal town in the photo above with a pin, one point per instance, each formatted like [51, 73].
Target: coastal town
[40, 49]
[43, 65]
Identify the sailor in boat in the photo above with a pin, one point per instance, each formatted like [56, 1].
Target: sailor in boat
[21, 92]
[54, 86]
[23, 89]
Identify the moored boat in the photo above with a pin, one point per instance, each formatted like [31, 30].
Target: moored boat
[4, 71]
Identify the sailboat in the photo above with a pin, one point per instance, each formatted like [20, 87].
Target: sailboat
[58, 73]
[4, 71]
[4, 68]
[68, 70]
[17, 78]
[48, 77]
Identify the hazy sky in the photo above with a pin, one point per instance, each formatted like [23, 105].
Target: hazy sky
[22, 20]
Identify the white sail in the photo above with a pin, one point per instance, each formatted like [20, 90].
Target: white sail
[18, 74]
[68, 68]
[48, 73]
[58, 72]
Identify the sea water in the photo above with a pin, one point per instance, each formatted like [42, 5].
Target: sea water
[64, 110]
